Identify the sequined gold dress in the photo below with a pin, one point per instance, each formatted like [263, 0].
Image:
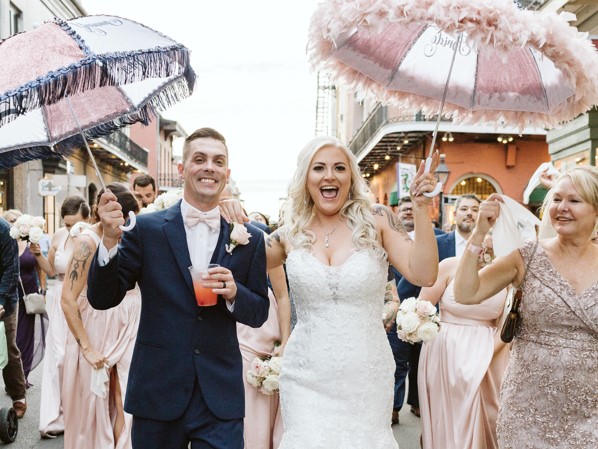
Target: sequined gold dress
[549, 397]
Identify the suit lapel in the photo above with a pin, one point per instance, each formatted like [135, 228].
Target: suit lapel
[174, 228]
[220, 256]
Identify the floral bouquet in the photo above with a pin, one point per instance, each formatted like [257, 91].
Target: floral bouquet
[28, 227]
[263, 374]
[164, 201]
[417, 321]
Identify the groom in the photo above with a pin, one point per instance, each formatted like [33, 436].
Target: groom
[185, 382]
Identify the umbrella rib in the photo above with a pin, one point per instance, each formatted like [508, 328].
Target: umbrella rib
[539, 73]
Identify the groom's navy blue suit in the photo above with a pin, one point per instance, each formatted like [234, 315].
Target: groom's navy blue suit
[181, 346]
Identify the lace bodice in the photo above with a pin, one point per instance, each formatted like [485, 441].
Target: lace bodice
[356, 288]
[337, 373]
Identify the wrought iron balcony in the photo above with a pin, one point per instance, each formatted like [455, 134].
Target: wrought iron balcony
[119, 144]
[531, 4]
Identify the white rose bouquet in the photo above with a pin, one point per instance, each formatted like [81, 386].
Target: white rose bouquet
[29, 228]
[417, 321]
[163, 201]
[263, 374]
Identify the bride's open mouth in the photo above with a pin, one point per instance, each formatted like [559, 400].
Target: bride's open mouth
[329, 192]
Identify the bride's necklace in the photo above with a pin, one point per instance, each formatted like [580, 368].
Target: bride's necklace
[327, 236]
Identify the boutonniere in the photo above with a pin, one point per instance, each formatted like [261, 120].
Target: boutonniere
[238, 236]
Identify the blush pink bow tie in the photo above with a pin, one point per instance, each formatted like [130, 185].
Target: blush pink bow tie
[211, 218]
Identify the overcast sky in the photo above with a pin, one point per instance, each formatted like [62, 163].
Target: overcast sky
[254, 84]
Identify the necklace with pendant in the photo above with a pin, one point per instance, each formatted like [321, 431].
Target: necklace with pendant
[327, 236]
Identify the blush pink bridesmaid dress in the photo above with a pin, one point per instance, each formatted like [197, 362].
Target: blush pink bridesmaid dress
[263, 423]
[459, 378]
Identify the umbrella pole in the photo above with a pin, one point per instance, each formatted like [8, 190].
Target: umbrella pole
[132, 218]
[91, 156]
[435, 133]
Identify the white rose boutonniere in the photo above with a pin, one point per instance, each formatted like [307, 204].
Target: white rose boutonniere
[238, 236]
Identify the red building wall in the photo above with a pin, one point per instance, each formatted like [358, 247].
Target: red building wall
[465, 159]
[470, 158]
[147, 137]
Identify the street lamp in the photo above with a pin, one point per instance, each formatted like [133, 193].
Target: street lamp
[442, 173]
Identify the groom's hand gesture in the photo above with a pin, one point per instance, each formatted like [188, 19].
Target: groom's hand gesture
[111, 217]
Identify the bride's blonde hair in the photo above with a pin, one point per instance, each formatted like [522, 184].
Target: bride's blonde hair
[356, 210]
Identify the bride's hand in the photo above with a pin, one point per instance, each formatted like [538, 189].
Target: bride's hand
[424, 183]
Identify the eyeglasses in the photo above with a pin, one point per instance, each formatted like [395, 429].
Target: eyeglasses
[409, 209]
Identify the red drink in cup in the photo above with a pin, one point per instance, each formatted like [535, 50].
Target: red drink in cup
[204, 296]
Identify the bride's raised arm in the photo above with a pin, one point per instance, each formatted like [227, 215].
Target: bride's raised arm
[416, 260]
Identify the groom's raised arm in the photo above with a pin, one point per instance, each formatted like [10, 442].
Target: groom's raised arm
[110, 278]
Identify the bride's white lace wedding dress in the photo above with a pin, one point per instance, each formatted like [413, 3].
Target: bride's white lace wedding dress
[336, 386]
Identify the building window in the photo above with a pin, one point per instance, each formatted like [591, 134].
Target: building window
[15, 17]
[475, 184]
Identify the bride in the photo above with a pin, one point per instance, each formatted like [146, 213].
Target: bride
[336, 386]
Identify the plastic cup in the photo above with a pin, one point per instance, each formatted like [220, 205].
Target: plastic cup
[204, 296]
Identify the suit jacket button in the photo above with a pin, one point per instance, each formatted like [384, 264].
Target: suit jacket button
[196, 351]
[199, 317]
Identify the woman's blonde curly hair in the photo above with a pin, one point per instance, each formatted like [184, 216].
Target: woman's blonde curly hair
[356, 210]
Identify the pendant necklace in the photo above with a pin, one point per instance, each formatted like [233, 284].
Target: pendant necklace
[327, 236]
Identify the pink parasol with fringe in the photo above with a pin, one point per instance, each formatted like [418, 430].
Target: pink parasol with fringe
[478, 60]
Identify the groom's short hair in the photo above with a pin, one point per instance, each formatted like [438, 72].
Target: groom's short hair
[203, 133]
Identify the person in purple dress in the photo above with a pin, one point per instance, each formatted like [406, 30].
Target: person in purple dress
[31, 330]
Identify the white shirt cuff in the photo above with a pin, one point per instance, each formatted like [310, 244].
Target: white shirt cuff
[104, 255]
[230, 306]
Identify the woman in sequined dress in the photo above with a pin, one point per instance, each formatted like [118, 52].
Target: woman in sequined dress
[549, 396]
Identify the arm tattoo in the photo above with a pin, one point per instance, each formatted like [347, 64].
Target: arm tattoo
[79, 262]
[393, 221]
[276, 236]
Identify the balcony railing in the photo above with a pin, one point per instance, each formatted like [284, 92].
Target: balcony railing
[379, 117]
[120, 144]
[369, 128]
[531, 4]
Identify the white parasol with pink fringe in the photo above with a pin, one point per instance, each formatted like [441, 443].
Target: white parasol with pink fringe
[473, 60]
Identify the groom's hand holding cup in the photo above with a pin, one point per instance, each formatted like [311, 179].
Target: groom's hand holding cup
[211, 281]
[111, 216]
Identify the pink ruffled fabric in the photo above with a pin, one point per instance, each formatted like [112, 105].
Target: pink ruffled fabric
[496, 23]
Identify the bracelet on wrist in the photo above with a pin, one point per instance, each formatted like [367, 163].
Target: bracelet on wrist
[475, 249]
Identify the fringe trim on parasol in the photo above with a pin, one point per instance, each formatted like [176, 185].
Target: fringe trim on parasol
[498, 23]
[168, 95]
[105, 70]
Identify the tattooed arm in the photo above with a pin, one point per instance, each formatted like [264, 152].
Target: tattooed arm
[276, 249]
[416, 260]
[75, 280]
